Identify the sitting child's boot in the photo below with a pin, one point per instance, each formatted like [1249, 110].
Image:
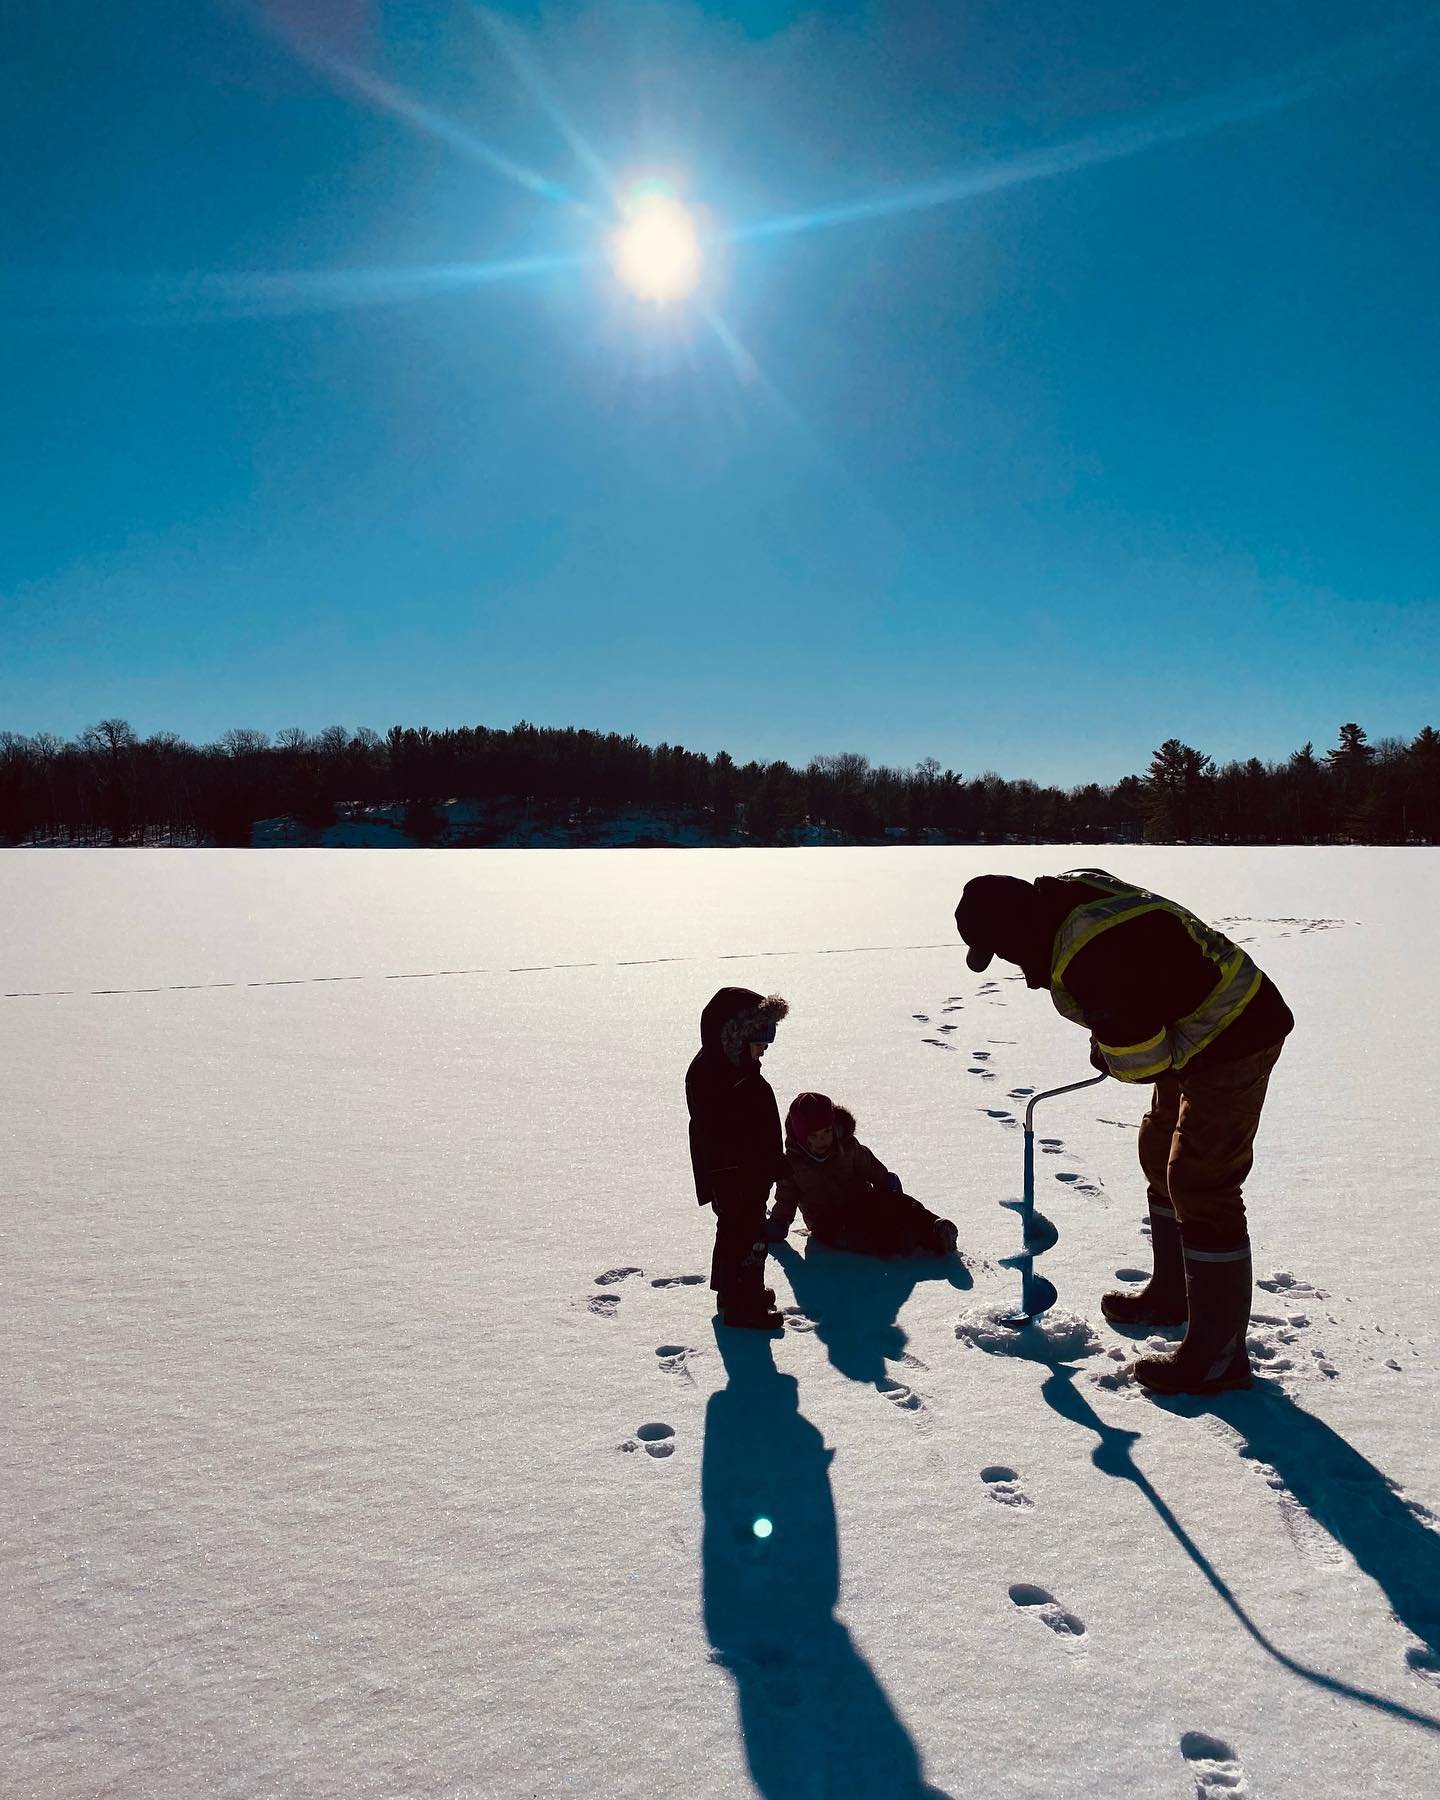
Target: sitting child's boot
[945, 1237]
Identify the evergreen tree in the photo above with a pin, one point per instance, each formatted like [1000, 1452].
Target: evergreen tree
[1176, 786]
[1349, 763]
[1424, 786]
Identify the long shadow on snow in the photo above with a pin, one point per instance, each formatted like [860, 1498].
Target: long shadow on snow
[1346, 1494]
[1352, 1500]
[813, 1716]
[855, 1301]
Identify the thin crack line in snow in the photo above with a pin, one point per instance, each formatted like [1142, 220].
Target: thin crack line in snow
[640, 962]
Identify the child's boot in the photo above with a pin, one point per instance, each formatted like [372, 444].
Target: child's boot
[756, 1316]
[749, 1305]
[946, 1237]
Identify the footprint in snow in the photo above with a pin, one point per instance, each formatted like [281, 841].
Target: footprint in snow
[1421, 1660]
[990, 987]
[899, 1395]
[922, 1018]
[939, 1043]
[675, 1359]
[1309, 1537]
[998, 1112]
[980, 1070]
[1273, 1342]
[949, 1027]
[1120, 1124]
[1020, 1093]
[1132, 1275]
[1415, 1507]
[1053, 1146]
[1076, 1183]
[613, 1275]
[604, 1306]
[656, 1440]
[1003, 1484]
[1047, 1609]
[676, 1280]
[1283, 1282]
[980, 1055]
[955, 1006]
[1214, 1765]
[797, 1319]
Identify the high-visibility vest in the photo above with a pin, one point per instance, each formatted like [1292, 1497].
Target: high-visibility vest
[1237, 980]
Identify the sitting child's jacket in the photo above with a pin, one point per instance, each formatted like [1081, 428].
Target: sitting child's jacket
[837, 1194]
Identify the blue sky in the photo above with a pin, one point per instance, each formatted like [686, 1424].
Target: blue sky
[1063, 378]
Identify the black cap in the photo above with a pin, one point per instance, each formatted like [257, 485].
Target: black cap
[992, 912]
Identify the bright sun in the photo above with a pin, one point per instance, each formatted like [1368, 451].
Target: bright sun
[656, 251]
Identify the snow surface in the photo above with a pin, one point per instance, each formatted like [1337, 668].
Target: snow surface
[368, 1431]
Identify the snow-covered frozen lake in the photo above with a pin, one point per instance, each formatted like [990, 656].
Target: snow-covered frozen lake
[350, 1247]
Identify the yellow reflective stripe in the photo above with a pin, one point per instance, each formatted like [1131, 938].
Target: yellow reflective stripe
[1237, 984]
[1231, 995]
[1087, 921]
[1065, 1003]
[1138, 1062]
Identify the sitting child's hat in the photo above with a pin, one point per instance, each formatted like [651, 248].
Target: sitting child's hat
[808, 1114]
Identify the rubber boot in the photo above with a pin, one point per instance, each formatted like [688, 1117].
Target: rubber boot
[1162, 1299]
[1212, 1357]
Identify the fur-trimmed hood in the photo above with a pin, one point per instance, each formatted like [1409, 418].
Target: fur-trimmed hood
[734, 1015]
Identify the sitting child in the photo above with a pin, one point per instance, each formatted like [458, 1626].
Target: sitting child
[846, 1195]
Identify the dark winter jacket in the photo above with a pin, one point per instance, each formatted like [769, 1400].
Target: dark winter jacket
[1140, 976]
[829, 1189]
[736, 1149]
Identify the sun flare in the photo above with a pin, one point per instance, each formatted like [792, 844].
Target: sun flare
[656, 251]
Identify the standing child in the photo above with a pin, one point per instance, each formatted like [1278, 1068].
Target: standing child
[846, 1195]
[735, 1147]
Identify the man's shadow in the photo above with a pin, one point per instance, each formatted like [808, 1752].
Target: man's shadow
[813, 1716]
[1354, 1502]
[855, 1301]
[1343, 1492]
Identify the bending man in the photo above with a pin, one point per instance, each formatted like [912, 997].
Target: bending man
[1166, 998]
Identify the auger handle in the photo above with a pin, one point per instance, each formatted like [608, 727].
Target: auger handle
[1050, 1093]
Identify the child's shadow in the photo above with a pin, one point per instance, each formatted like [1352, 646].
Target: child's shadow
[855, 1300]
[814, 1717]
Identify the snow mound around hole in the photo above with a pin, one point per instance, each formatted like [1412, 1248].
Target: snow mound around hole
[1056, 1336]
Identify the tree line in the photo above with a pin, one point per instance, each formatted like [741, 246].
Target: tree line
[110, 786]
